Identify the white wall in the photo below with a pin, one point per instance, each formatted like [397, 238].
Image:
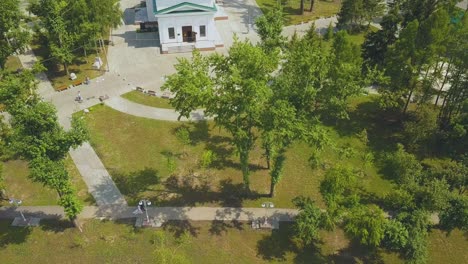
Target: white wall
[186, 20]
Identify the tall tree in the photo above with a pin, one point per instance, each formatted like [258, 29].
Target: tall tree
[309, 221]
[279, 127]
[312, 3]
[351, 15]
[37, 137]
[269, 27]
[235, 93]
[69, 25]
[376, 44]
[367, 224]
[13, 36]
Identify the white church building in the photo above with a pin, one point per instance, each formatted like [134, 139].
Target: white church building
[186, 24]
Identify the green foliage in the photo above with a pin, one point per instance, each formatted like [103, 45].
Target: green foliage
[233, 89]
[367, 224]
[309, 221]
[338, 183]
[396, 235]
[400, 199]
[421, 128]
[183, 135]
[417, 224]
[269, 28]
[13, 35]
[330, 32]
[354, 12]
[207, 158]
[68, 24]
[191, 84]
[455, 215]
[402, 167]
[37, 136]
[454, 172]
[171, 165]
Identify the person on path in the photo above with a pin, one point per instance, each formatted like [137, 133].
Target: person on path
[79, 98]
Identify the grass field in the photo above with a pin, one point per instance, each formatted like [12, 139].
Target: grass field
[19, 186]
[291, 9]
[82, 65]
[146, 160]
[195, 242]
[13, 63]
[145, 99]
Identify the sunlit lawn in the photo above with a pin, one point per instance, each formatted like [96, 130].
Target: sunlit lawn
[145, 99]
[13, 63]
[291, 9]
[138, 152]
[195, 242]
[19, 186]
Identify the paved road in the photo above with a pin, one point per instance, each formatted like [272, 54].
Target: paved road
[96, 177]
[162, 213]
[129, 107]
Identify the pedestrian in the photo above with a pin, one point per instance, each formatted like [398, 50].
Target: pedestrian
[79, 97]
[87, 80]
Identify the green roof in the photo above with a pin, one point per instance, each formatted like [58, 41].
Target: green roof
[195, 6]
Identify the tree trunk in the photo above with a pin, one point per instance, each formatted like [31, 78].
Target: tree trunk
[272, 188]
[302, 7]
[244, 160]
[408, 101]
[65, 66]
[267, 156]
[312, 2]
[443, 84]
[77, 224]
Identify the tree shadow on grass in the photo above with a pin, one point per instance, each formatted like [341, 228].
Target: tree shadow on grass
[12, 235]
[218, 227]
[275, 246]
[193, 190]
[178, 228]
[382, 126]
[357, 253]
[132, 184]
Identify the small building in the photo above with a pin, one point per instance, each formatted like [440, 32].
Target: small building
[185, 25]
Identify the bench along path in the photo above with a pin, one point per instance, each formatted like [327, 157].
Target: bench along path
[160, 213]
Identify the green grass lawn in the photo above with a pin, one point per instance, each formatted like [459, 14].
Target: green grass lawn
[137, 152]
[145, 99]
[194, 242]
[82, 65]
[291, 9]
[13, 63]
[19, 186]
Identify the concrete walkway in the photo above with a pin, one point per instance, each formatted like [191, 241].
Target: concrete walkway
[131, 108]
[96, 177]
[161, 213]
[28, 59]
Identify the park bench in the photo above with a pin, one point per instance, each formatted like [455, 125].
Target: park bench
[103, 97]
[166, 95]
[139, 89]
[151, 92]
[76, 83]
[62, 88]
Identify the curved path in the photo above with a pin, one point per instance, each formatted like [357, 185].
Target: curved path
[123, 105]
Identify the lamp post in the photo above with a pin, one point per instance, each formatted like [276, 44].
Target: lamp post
[17, 203]
[143, 206]
[267, 205]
